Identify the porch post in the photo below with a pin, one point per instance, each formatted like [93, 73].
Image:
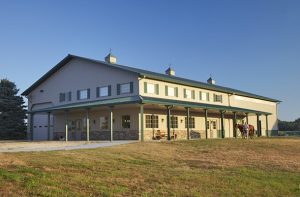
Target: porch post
[168, 122]
[188, 122]
[111, 120]
[247, 118]
[66, 125]
[142, 121]
[258, 126]
[267, 126]
[49, 125]
[234, 124]
[222, 124]
[31, 126]
[206, 129]
[87, 125]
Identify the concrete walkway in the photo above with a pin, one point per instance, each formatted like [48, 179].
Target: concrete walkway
[14, 146]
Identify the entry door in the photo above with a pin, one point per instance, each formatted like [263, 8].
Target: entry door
[78, 129]
[212, 128]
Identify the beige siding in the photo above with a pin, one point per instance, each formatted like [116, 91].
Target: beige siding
[78, 75]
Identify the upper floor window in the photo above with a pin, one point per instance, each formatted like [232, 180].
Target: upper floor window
[62, 97]
[171, 91]
[66, 96]
[204, 96]
[126, 121]
[125, 88]
[191, 122]
[151, 88]
[190, 94]
[151, 121]
[83, 94]
[218, 98]
[104, 91]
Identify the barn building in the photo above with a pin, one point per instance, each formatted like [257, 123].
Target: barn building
[87, 99]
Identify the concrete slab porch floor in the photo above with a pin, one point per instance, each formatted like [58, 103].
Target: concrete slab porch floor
[23, 146]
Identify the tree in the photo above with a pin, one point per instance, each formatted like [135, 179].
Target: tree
[12, 112]
[289, 126]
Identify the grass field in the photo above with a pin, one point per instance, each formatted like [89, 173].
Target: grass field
[229, 167]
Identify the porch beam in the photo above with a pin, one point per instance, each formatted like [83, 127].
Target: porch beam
[49, 125]
[31, 126]
[234, 124]
[206, 126]
[111, 120]
[267, 126]
[168, 122]
[258, 126]
[222, 124]
[66, 125]
[188, 122]
[142, 121]
[87, 125]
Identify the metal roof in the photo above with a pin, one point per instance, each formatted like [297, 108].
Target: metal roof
[151, 75]
[145, 100]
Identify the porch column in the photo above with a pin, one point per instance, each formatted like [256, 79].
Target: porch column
[31, 126]
[222, 124]
[258, 126]
[142, 121]
[206, 126]
[234, 124]
[267, 126]
[188, 122]
[111, 125]
[247, 118]
[49, 113]
[87, 125]
[66, 125]
[168, 122]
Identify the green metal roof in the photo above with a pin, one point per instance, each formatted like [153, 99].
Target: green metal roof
[199, 105]
[90, 104]
[151, 75]
[145, 100]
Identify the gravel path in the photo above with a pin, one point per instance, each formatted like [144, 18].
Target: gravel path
[55, 145]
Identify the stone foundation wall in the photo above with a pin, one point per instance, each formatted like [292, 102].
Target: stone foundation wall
[100, 135]
[180, 134]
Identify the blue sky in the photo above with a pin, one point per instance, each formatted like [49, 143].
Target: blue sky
[251, 45]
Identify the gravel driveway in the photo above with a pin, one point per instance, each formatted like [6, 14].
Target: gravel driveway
[13, 146]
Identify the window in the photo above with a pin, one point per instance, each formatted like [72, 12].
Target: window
[103, 122]
[65, 97]
[151, 88]
[214, 123]
[103, 91]
[171, 91]
[62, 97]
[126, 121]
[190, 94]
[207, 124]
[174, 122]
[151, 121]
[83, 94]
[204, 96]
[218, 98]
[125, 88]
[191, 123]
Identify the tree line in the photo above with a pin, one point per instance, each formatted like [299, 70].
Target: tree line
[12, 112]
[289, 125]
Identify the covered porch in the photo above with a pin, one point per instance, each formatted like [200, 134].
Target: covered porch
[145, 118]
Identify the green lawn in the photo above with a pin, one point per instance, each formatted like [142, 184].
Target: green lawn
[229, 167]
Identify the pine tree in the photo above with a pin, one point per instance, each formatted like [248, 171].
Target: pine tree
[12, 112]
